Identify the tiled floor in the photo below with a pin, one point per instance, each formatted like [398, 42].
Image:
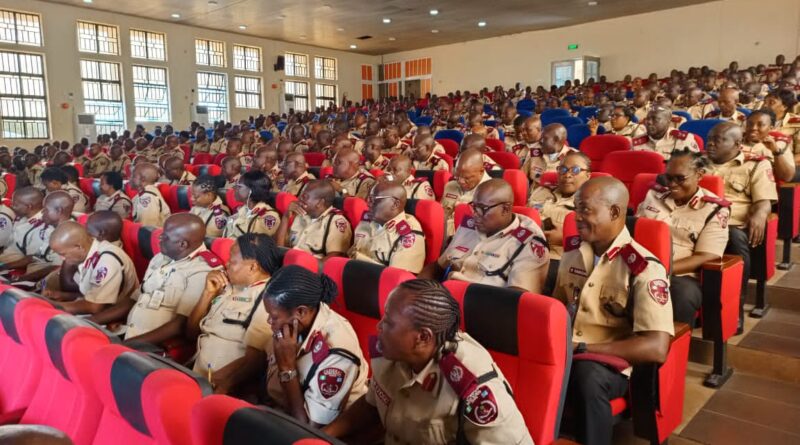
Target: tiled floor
[778, 332]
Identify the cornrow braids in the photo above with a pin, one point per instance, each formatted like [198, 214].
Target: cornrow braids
[208, 183]
[294, 286]
[433, 307]
[262, 249]
[699, 162]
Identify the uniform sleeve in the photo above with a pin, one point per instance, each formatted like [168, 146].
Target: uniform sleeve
[410, 253]
[714, 236]
[330, 388]
[193, 288]
[267, 223]
[339, 236]
[259, 334]
[763, 185]
[365, 187]
[493, 417]
[529, 269]
[105, 284]
[6, 230]
[652, 309]
[641, 211]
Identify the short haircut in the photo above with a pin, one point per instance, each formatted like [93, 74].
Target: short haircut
[114, 179]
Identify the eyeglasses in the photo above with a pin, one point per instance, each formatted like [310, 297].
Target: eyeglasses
[378, 198]
[480, 209]
[574, 170]
[677, 179]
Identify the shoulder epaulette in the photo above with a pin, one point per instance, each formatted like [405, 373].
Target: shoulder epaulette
[712, 113]
[716, 200]
[573, 242]
[794, 120]
[522, 234]
[659, 188]
[741, 117]
[755, 158]
[210, 258]
[635, 261]
[420, 180]
[336, 211]
[640, 140]
[461, 379]
[676, 118]
[363, 175]
[261, 211]
[778, 136]
[679, 134]
[402, 228]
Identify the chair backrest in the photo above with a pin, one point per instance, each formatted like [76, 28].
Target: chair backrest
[531, 347]
[454, 135]
[655, 236]
[597, 147]
[230, 200]
[450, 146]
[363, 289]
[430, 215]
[11, 182]
[625, 165]
[204, 169]
[586, 113]
[353, 209]
[566, 121]
[130, 244]
[202, 158]
[301, 258]
[530, 213]
[178, 198]
[282, 201]
[448, 159]
[222, 248]
[700, 127]
[440, 179]
[496, 144]
[424, 120]
[552, 113]
[87, 186]
[314, 159]
[519, 185]
[577, 133]
[639, 188]
[223, 420]
[526, 105]
[324, 172]
[504, 159]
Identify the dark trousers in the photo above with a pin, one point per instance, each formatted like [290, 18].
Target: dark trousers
[687, 296]
[550, 281]
[738, 244]
[591, 387]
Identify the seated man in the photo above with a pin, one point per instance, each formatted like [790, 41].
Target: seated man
[373, 154]
[149, 207]
[74, 189]
[207, 205]
[553, 150]
[29, 232]
[105, 225]
[296, 174]
[112, 197]
[265, 159]
[172, 284]
[175, 173]
[727, 101]
[318, 227]
[750, 188]
[387, 235]
[600, 271]
[392, 143]
[495, 246]
[231, 170]
[477, 141]
[761, 141]
[349, 179]
[54, 178]
[782, 102]
[529, 140]
[660, 138]
[469, 172]
[98, 163]
[424, 155]
[399, 170]
[507, 120]
[119, 159]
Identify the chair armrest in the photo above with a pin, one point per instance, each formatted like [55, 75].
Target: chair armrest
[788, 210]
[721, 285]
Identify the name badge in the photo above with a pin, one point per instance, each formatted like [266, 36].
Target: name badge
[155, 300]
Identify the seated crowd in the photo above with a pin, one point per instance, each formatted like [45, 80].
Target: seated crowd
[253, 321]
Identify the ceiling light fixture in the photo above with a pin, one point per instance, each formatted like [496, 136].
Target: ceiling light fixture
[212, 2]
[176, 16]
[340, 29]
[435, 31]
[592, 3]
[242, 27]
[434, 12]
[392, 39]
[481, 24]
[87, 1]
[353, 47]
[387, 20]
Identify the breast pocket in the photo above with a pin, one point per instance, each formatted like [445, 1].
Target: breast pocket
[737, 183]
[172, 295]
[613, 302]
[434, 432]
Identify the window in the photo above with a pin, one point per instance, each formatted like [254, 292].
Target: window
[148, 45]
[325, 68]
[247, 91]
[247, 58]
[150, 94]
[300, 91]
[210, 52]
[325, 94]
[296, 65]
[23, 99]
[20, 28]
[98, 39]
[102, 95]
[212, 92]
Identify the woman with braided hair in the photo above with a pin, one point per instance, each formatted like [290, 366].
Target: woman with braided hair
[316, 368]
[431, 383]
[208, 205]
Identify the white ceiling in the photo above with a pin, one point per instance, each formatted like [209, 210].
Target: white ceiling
[336, 24]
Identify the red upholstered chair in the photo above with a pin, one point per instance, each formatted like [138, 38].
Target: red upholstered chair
[301, 258]
[223, 420]
[363, 290]
[314, 159]
[324, 172]
[440, 179]
[204, 169]
[463, 210]
[79, 167]
[282, 201]
[82, 218]
[496, 145]
[430, 215]
[353, 209]
[130, 243]
[625, 165]
[449, 159]
[229, 197]
[530, 213]
[531, 346]
[222, 248]
[11, 182]
[202, 158]
[164, 190]
[218, 158]
[179, 198]
[377, 173]
[519, 184]
[597, 147]
[19, 367]
[129, 190]
[187, 152]
[65, 345]
[450, 146]
[504, 159]
[145, 400]
[91, 187]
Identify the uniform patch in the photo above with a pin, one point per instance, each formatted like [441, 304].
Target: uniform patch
[538, 249]
[723, 217]
[270, 221]
[481, 406]
[462, 249]
[408, 240]
[380, 393]
[100, 274]
[341, 225]
[577, 271]
[144, 201]
[428, 190]
[468, 222]
[219, 222]
[659, 291]
[573, 243]
[430, 381]
[451, 196]
[330, 381]
[652, 209]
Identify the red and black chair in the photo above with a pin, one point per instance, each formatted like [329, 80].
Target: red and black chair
[504, 159]
[519, 185]
[788, 220]
[440, 180]
[91, 188]
[178, 198]
[314, 159]
[625, 165]
[353, 209]
[496, 145]
[223, 420]
[202, 158]
[532, 346]
[598, 146]
[430, 215]
[198, 169]
[450, 146]
[11, 182]
[229, 199]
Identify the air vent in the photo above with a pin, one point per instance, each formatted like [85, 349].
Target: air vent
[364, 37]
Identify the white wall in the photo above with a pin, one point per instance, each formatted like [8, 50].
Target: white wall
[63, 71]
[710, 34]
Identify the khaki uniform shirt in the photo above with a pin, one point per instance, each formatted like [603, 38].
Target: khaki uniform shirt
[672, 140]
[7, 218]
[516, 256]
[187, 178]
[297, 186]
[97, 165]
[556, 210]
[118, 202]
[432, 163]
[539, 162]
[338, 381]
[359, 185]
[698, 110]
[79, 199]
[700, 225]
[525, 150]
[641, 113]
[330, 232]
[380, 164]
[418, 188]
[737, 116]
[454, 195]
[746, 181]
[260, 219]
[790, 126]
[631, 130]
[107, 274]
[758, 149]
[27, 237]
[149, 207]
[35, 175]
[399, 242]
[423, 408]
[597, 295]
[3, 187]
[218, 147]
[214, 216]
[200, 147]
[170, 288]
[119, 164]
[222, 330]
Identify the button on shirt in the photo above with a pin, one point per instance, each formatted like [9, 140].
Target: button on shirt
[107, 274]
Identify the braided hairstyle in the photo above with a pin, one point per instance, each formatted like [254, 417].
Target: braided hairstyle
[433, 307]
[262, 249]
[697, 159]
[294, 286]
[209, 183]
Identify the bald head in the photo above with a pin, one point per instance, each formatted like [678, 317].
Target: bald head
[105, 225]
[400, 166]
[495, 190]
[556, 130]
[473, 141]
[148, 172]
[183, 234]
[69, 234]
[470, 158]
[383, 209]
[608, 189]
[58, 207]
[26, 201]
[32, 435]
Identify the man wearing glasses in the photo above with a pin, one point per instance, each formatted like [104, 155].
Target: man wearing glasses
[495, 246]
[660, 138]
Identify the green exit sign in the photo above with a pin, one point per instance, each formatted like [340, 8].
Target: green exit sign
[573, 46]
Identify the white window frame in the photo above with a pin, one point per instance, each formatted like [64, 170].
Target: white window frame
[320, 99]
[19, 90]
[33, 29]
[247, 96]
[244, 61]
[203, 49]
[218, 109]
[105, 87]
[320, 69]
[110, 40]
[150, 46]
[290, 89]
[145, 94]
[295, 64]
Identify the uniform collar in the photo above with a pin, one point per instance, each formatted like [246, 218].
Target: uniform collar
[665, 137]
[92, 254]
[429, 379]
[191, 256]
[323, 214]
[695, 202]
[302, 177]
[740, 158]
[392, 223]
[323, 314]
[622, 239]
[515, 223]
[485, 178]
[259, 283]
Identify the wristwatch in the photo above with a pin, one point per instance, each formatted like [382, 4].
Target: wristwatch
[580, 349]
[285, 376]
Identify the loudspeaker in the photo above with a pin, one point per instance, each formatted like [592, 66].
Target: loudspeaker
[279, 64]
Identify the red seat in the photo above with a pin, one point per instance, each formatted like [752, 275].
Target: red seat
[230, 200]
[377, 173]
[179, 198]
[699, 140]
[450, 146]
[222, 248]
[82, 218]
[598, 146]
[644, 181]
[79, 167]
[363, 290]
[324, 172]
[519, 184]
[11, 182]
[530, 213]
[204, 169]
[282, 201]
[531, 346]
[496, 145]
[145, 400]
[130, 244]
[223, 420]
[440, 179]
[430, 215]
[314, 159]
[129, 190]
[187, 152]
[353, 209]
[625, 165]
[504, 159]
[448, 159]
[65, 345]
[202, 158]
[91, 188]
[218, 158]
[301, 258]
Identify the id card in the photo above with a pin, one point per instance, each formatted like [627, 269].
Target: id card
[156, 299]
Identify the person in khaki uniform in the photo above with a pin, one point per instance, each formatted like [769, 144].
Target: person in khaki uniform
[469, 173]
[416, 392]
[208, 205]
[149, 207]
[495, 246]
[316, 368]
[553, 150]
[54, 179]
[255, 216]
[399, 170]
[29, 231]
[696, 104]
[200, 144]
[600, 271]
[660, 138]
[7, 218]
[373, 154]
[317, 226]
[749, 187]
[119, 159]
[621, 123]
[173, 282]
[112, 197]
[229, 301]
[348, 178]
[175, 173]
[529, 143]
[424, 155]
[761, 141]
[387, 235]
[219, 145]
[296, 174]
[698, 221]
[781, 103]
[727, 101]
[98, 163]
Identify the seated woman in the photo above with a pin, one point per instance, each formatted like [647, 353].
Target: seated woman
[316, 368]
[229, 302]
[255, 216]
[208, 205]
